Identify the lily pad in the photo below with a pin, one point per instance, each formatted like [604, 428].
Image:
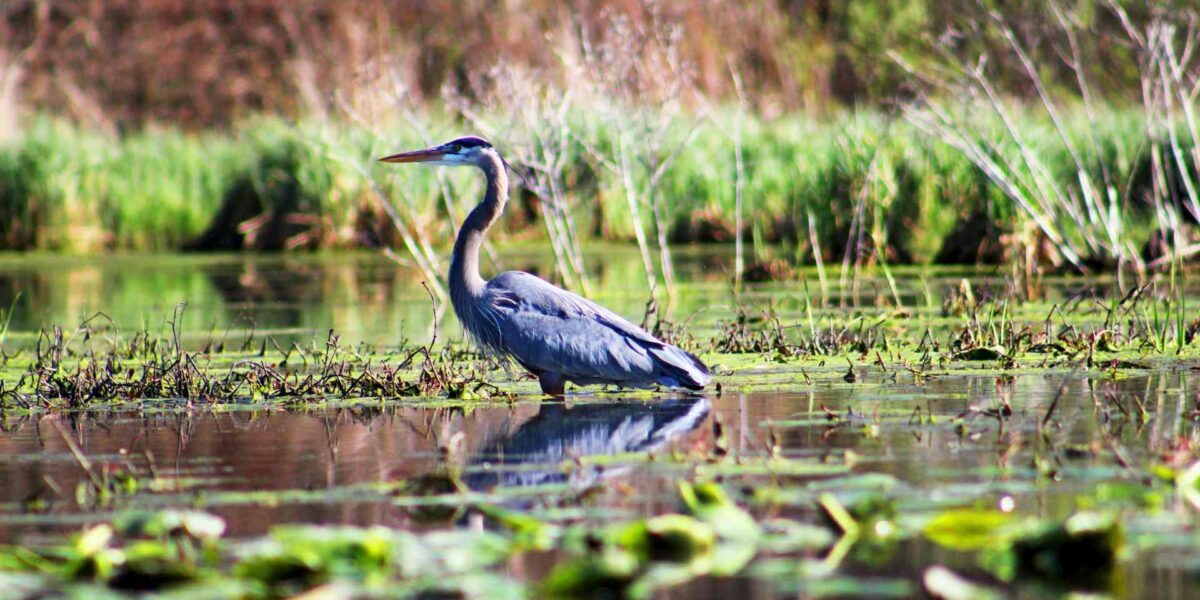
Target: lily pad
[968, 529]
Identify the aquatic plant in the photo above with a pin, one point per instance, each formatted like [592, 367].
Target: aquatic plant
[1082, 204]
[182, 551]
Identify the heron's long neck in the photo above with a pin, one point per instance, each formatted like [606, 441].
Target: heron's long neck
[464, 264]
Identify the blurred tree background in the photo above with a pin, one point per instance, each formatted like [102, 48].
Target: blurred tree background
[117, 64]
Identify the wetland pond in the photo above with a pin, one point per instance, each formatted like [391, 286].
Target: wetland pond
[902, 436]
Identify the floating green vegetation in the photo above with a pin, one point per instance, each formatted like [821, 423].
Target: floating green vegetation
[181, 551]
[1144, 328]
[140, 367]
[801, 518]
[715, 538]
[1082, 550]
[184, 552]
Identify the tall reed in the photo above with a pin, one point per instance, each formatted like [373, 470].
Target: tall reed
[1082, 198]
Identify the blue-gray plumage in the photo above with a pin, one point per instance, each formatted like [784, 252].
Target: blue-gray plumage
[535, 452]
[555, 334]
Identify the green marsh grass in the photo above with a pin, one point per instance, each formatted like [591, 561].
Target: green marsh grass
[905, 197]
[65, 188]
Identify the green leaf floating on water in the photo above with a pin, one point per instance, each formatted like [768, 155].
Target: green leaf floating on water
[709, 503]
[528, 532]
[675, 549]
[193, 524]
[138, 565]
[153, 565]
[1121, 494]
[969, 528]
[672, 538]
[94, 540]
[297, 558]
[609, 572]
[1083, 549]
[634, 560]
[786, 535]
[459, 550]
[738, 534]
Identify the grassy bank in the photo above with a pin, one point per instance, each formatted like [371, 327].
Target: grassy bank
[269, 184]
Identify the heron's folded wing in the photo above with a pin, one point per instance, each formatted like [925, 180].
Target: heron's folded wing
[550, 329]
[573, 344]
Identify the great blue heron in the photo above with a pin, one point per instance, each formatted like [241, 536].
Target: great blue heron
[555, 334]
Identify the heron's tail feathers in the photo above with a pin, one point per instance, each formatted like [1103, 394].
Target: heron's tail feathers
[678, 368]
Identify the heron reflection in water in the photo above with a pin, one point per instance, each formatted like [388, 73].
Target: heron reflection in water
[558, 434]
[554, 334]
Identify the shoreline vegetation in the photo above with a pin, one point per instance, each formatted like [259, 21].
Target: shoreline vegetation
[1050, 138]
[862, 178]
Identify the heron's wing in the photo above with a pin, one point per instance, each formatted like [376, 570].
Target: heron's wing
[548, 329]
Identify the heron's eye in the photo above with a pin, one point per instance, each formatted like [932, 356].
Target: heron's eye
[455, 148]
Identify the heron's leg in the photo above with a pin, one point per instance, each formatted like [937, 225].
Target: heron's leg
[553, 384]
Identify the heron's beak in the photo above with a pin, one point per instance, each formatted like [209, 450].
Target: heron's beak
[426, 155]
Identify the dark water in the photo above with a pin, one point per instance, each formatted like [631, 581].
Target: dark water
[505, 448]
[257, 466]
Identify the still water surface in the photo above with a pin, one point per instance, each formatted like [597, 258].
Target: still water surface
[325, 464]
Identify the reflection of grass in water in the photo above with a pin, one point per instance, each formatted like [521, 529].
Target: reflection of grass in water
[361, 295]
[365, 297]
[97, 364]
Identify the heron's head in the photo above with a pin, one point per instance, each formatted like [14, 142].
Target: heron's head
[463, 151]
